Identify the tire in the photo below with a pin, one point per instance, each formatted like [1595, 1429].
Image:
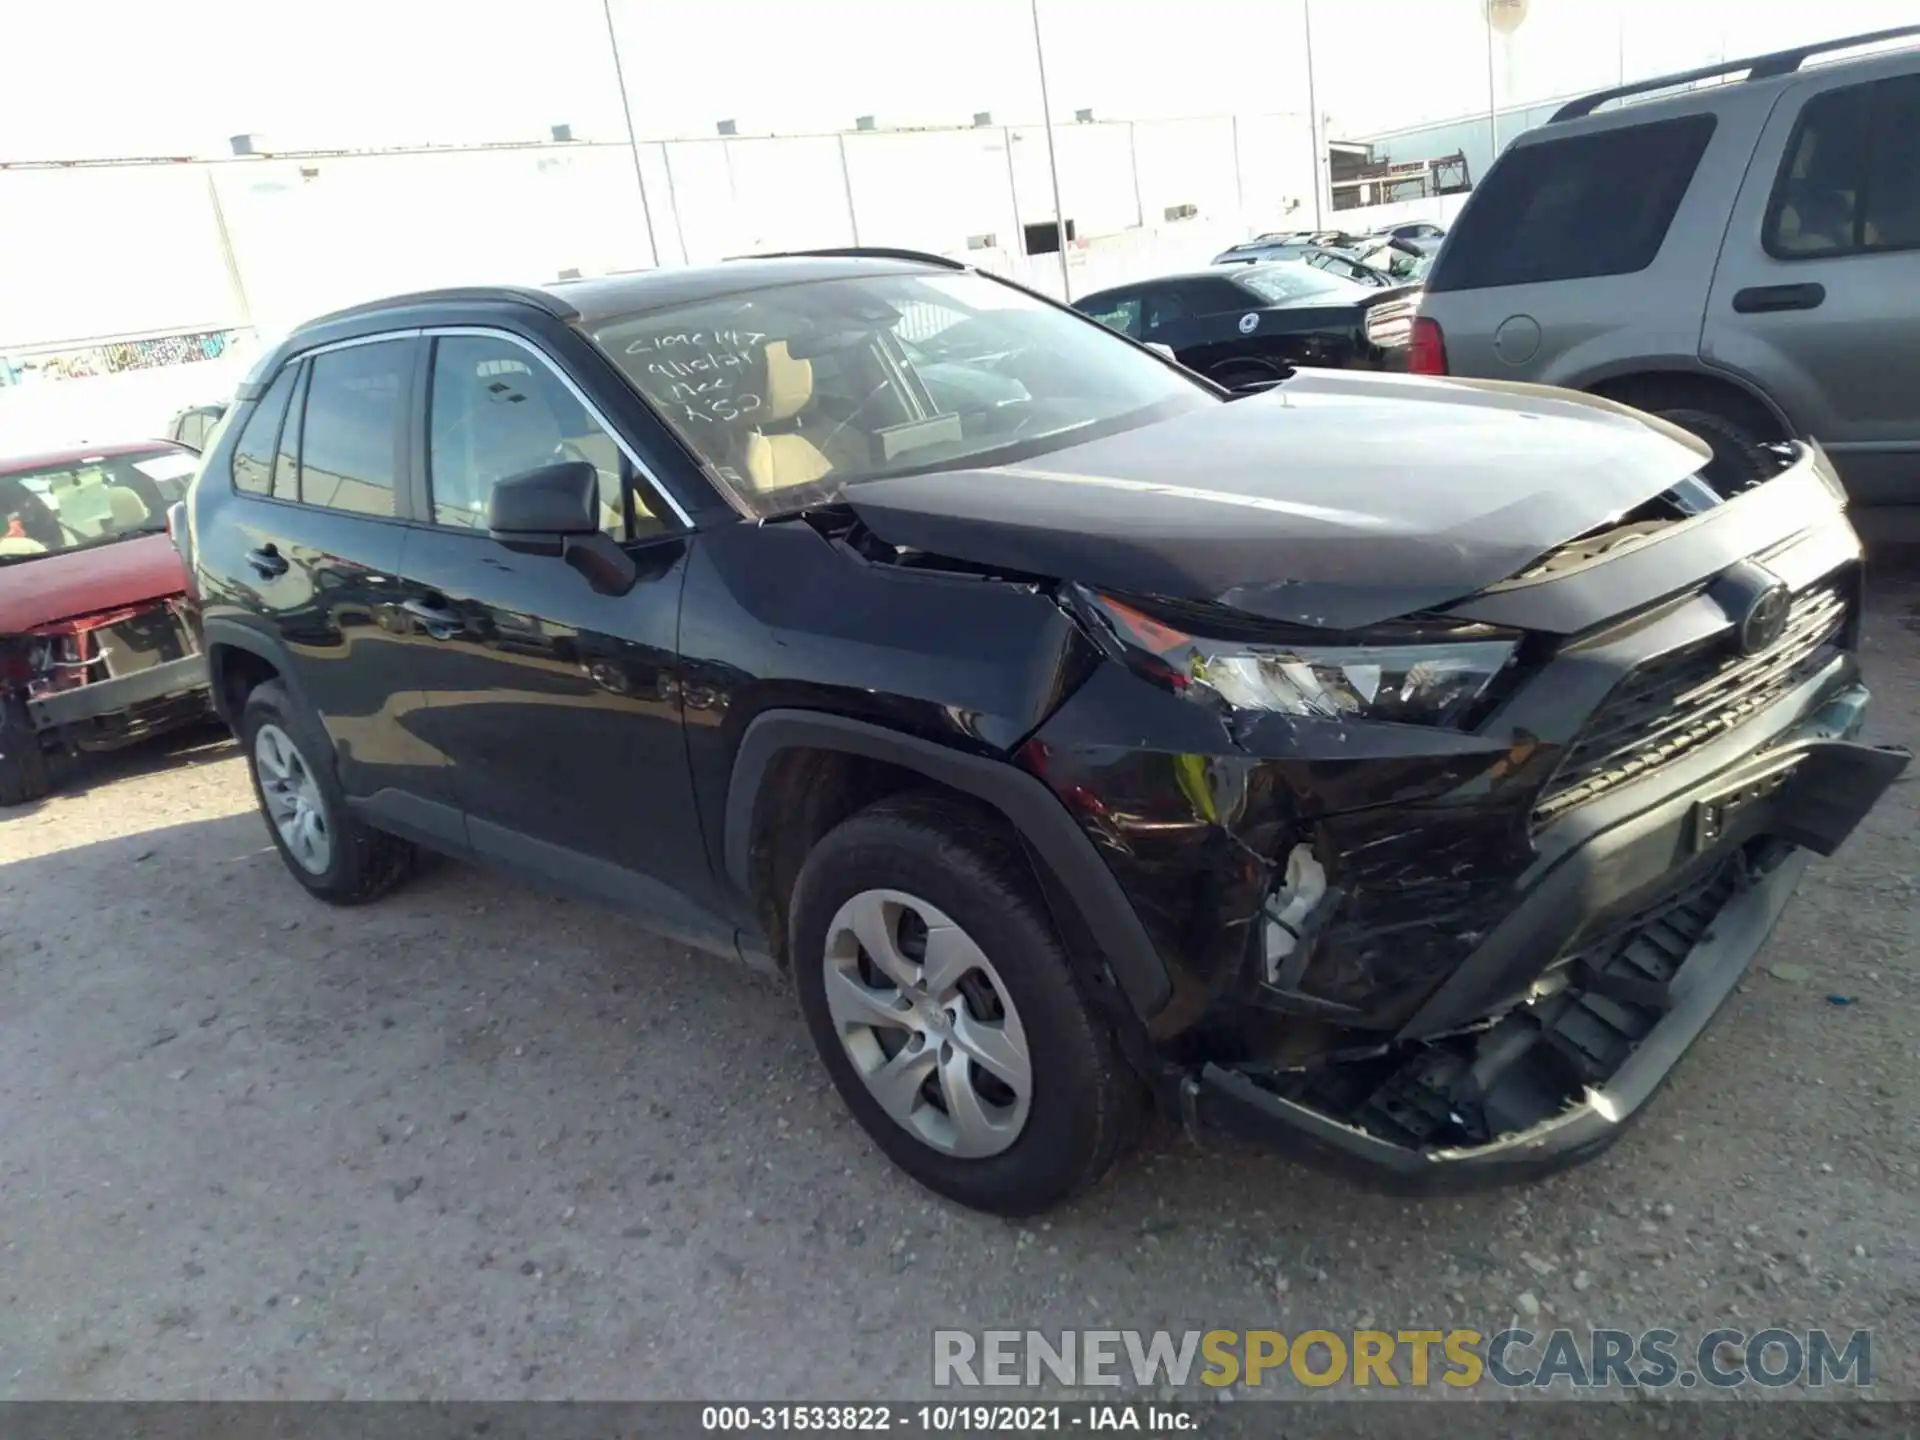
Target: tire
[1739, 458]
[291, 763]
[921, 860]
[24, 773]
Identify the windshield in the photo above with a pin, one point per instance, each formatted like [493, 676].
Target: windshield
[88, 500]
[1288, 281]
[790, 393]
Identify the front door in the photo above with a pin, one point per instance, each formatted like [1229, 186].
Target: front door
[1817, 296]
[557, 706]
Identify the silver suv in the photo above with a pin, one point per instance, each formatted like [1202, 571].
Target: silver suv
[1741, 258]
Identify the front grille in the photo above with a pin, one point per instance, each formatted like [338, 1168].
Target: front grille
[1669, 706]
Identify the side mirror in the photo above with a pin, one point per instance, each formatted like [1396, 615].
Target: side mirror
[537, 509]
[555, 510]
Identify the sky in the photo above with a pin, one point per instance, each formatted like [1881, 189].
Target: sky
[115, 78]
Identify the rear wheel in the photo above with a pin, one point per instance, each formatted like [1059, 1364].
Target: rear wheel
[325, 848]
[24, 774]
[947, 1013]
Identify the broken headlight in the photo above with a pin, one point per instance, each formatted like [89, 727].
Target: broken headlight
[1432, 680]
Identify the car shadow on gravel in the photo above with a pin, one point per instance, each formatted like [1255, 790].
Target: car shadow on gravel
[502, 999]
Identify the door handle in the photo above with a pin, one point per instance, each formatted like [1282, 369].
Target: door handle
[267, 561]
[436, 620]
[1759, 299]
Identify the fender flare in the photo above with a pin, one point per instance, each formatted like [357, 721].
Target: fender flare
[217, 634]
[1036, 815]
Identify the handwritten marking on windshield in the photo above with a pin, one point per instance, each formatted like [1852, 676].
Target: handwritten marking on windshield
[698, 340]
[1218, 497]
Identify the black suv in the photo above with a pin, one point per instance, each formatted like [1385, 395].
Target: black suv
[1400, 770]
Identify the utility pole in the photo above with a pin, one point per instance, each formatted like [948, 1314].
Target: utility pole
[1053, 161]
[633, 142]
[1493, 113]
[1313, 118]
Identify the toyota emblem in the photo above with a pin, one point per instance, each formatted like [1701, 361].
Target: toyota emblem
[1766, 619]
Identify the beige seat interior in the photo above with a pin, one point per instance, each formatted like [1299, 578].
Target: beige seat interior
[784, 457]
[20, 545]
[514, 429]
[125, 509]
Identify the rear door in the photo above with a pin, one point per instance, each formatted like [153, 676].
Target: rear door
[1817, 297]
[314, 552]
[558, 707]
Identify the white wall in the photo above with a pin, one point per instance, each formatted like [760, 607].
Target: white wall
[110, 250]
[93, 252]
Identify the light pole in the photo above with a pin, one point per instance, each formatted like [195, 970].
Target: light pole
[1493, 113]
[633, 142]
[1313, 116]
[1053, 162]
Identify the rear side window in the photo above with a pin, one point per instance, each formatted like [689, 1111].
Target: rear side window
[253, 452]
[1118, 312]
[1588, 205]
[1213, 297]
[1165, 305]
[350, 436]
[1849, 183]
[286, 465]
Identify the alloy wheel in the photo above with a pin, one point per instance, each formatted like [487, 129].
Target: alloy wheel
[928, 1024]
[295, 807]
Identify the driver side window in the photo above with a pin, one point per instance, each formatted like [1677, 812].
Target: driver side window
[497, 410]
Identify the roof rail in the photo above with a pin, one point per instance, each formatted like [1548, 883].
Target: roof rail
[1758, 67]
[876, 252]
[509, 294]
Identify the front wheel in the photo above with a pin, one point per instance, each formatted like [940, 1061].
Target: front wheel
[24, 774]
[331, 853]
[947, 1013]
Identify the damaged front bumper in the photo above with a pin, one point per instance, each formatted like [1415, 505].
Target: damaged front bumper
[120, 694]
[1669, 906]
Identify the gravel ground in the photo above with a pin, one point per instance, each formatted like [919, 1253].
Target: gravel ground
[476, 1141]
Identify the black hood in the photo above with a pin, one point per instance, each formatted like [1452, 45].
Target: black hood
[1339, 499]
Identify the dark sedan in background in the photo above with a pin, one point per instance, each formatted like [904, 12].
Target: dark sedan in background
[1247, 327]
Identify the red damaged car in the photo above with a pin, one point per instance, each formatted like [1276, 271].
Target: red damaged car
[97, 648]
